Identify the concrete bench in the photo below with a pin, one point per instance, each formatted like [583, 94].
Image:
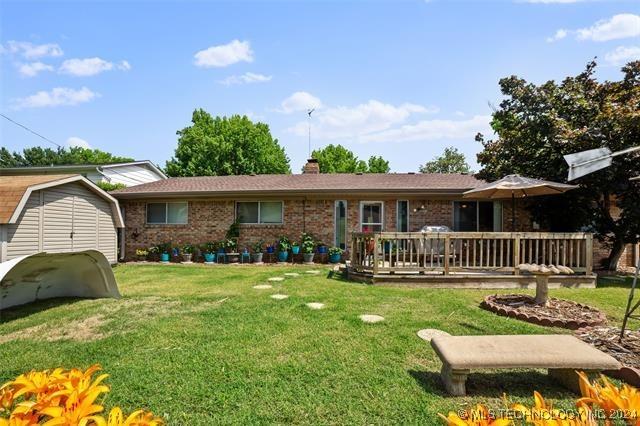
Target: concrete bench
[561, 355]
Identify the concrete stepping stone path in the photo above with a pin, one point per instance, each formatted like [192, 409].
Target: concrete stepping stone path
[291, 274]
[279, 296]
[315, 305]
[275, 279]
[262, 286]
[429, 333]
[371, 319]
[312, 272]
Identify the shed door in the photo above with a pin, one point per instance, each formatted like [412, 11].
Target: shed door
[57, 221]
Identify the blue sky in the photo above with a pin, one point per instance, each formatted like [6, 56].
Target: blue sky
[398, 79]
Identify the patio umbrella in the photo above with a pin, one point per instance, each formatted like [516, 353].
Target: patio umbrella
[516, 186]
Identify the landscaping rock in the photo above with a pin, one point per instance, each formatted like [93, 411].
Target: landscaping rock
[262, 286]
[279, 296]
[429, 333]
[315, 305]
[276, 279]
[371, 319]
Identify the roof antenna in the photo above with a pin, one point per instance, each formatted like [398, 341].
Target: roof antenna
[309, 112]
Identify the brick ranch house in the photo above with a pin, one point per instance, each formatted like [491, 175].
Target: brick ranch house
[330, 206]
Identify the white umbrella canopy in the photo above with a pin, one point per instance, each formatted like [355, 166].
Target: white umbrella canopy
[516, 186]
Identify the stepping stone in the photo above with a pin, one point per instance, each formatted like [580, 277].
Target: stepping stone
[275, 279]
[262, 286]
[291, 274]
[371, 319]
[279, 296]
[312, 272]
[315, 305]
[429, 333]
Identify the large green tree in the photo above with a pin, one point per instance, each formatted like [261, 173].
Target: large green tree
[38, 156]
[451, 161]
[537, 124]
[338, 159]
[226, 146]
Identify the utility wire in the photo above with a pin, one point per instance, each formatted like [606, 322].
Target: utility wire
[31, 131]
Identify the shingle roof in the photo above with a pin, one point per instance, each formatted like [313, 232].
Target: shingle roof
[12, 189]
[302, 183]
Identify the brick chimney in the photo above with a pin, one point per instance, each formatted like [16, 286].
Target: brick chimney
[312, 167]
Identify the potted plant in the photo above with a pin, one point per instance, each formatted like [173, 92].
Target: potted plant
[187, 253]
[154, 253]
[142, 254]
[209, 252]
[231, 245]
[322, 248]
[256, 256]
[283, 248]
[295, 248]
[335, 254]
[271, 249]
[165, 250]
[308, 246]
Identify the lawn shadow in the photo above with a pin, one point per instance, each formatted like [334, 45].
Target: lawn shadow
[16, 312]
[624, 281]
[520, 384]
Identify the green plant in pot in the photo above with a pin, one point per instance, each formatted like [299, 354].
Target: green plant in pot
[335, 254]
[165, 252]
[308, 247]
[142, 254]
[231, 245]
[256, 256]
[209, 252]
[187, 252]
[284, 244]
[295, 247]
[154, 253]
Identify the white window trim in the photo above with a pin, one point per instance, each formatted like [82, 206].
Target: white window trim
[364, 203]
[166, 212]
[335, 222]
[259, 212]
[398, 216]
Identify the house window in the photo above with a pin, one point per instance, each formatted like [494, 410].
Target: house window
[259, 212]
[371, 216]
[472, 216]
[168, 213]
[341, 224]
[402, 211]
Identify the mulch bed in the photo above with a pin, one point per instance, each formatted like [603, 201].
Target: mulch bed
[558, 313]
[626, 351]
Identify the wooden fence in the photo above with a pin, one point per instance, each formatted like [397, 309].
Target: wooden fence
[459, 252]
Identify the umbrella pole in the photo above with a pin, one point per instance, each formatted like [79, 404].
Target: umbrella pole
[513, 212]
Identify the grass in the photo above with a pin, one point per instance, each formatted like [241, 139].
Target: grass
[198, 345]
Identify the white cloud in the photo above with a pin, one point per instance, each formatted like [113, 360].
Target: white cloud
[245, 78]
[90, 66]
[299, 101]
[622, 55]
[75, 141]
[224, 54]
[29, 50]
[624, 25]
[361, 121]
[559, 35]
[430, 130]
[58, 96]
[32, 69]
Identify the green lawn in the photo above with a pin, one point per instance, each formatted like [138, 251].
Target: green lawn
[199, 345]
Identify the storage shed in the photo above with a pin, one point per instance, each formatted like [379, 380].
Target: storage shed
[54, 214]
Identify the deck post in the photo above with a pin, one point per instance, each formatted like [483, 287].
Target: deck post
[375, 253]
[516, 254]
[447, 250]
[589, 254]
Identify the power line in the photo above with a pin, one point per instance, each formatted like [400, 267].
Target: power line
[31, 131]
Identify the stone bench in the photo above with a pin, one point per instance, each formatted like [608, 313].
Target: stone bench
[561, 355]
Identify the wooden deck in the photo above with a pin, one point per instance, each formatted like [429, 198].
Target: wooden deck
[469, 259]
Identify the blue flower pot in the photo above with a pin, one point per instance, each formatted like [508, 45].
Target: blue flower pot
[295, 249]
[164, 257]
[209, 257]
[322, 249]
[270, 249]
[335, 258]
[283, 256]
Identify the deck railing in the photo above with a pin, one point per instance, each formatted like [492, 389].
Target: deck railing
[457, 252]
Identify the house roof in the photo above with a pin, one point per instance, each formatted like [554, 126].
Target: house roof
[72, 168]
[303, 184]
[15, 191]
